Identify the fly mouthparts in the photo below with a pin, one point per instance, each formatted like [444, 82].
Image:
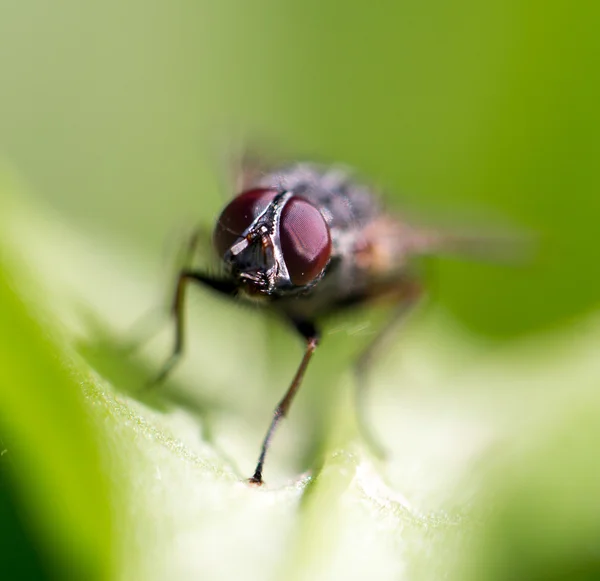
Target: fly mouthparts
[252, 277]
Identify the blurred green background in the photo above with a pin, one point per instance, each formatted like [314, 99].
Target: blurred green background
[115, 112]
[115, 116]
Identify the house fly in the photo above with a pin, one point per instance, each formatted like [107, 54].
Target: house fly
[305, 241]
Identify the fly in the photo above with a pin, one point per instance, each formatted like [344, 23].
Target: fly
[307, 241]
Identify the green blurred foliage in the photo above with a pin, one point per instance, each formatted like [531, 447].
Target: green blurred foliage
[116, 113]
[21, 554]
[52, 478]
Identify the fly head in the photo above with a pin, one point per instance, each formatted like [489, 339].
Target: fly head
[272, 243]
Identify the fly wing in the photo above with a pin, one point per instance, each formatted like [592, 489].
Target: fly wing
[239, 165]
[250, 161]
[387, 245]
[249, 168]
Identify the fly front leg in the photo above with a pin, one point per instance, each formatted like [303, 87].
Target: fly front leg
[222, 286]
[312, 336]
[151, 323]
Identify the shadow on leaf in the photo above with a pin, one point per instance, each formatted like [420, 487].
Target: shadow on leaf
[116, 359]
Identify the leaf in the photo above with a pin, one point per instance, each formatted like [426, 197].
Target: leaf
[47, 442]
[139, 484]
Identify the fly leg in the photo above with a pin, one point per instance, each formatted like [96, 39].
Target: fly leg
[406, 295]
[311, 336]
[223, 286]
[149, 325]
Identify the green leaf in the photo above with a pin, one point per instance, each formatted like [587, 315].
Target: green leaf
[49, 450]
[119, 480]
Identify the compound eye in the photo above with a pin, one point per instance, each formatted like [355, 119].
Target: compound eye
[305, 240]
[238, 215]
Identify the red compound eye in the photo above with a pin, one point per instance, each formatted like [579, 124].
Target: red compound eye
[238, 215]
[305, 240]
